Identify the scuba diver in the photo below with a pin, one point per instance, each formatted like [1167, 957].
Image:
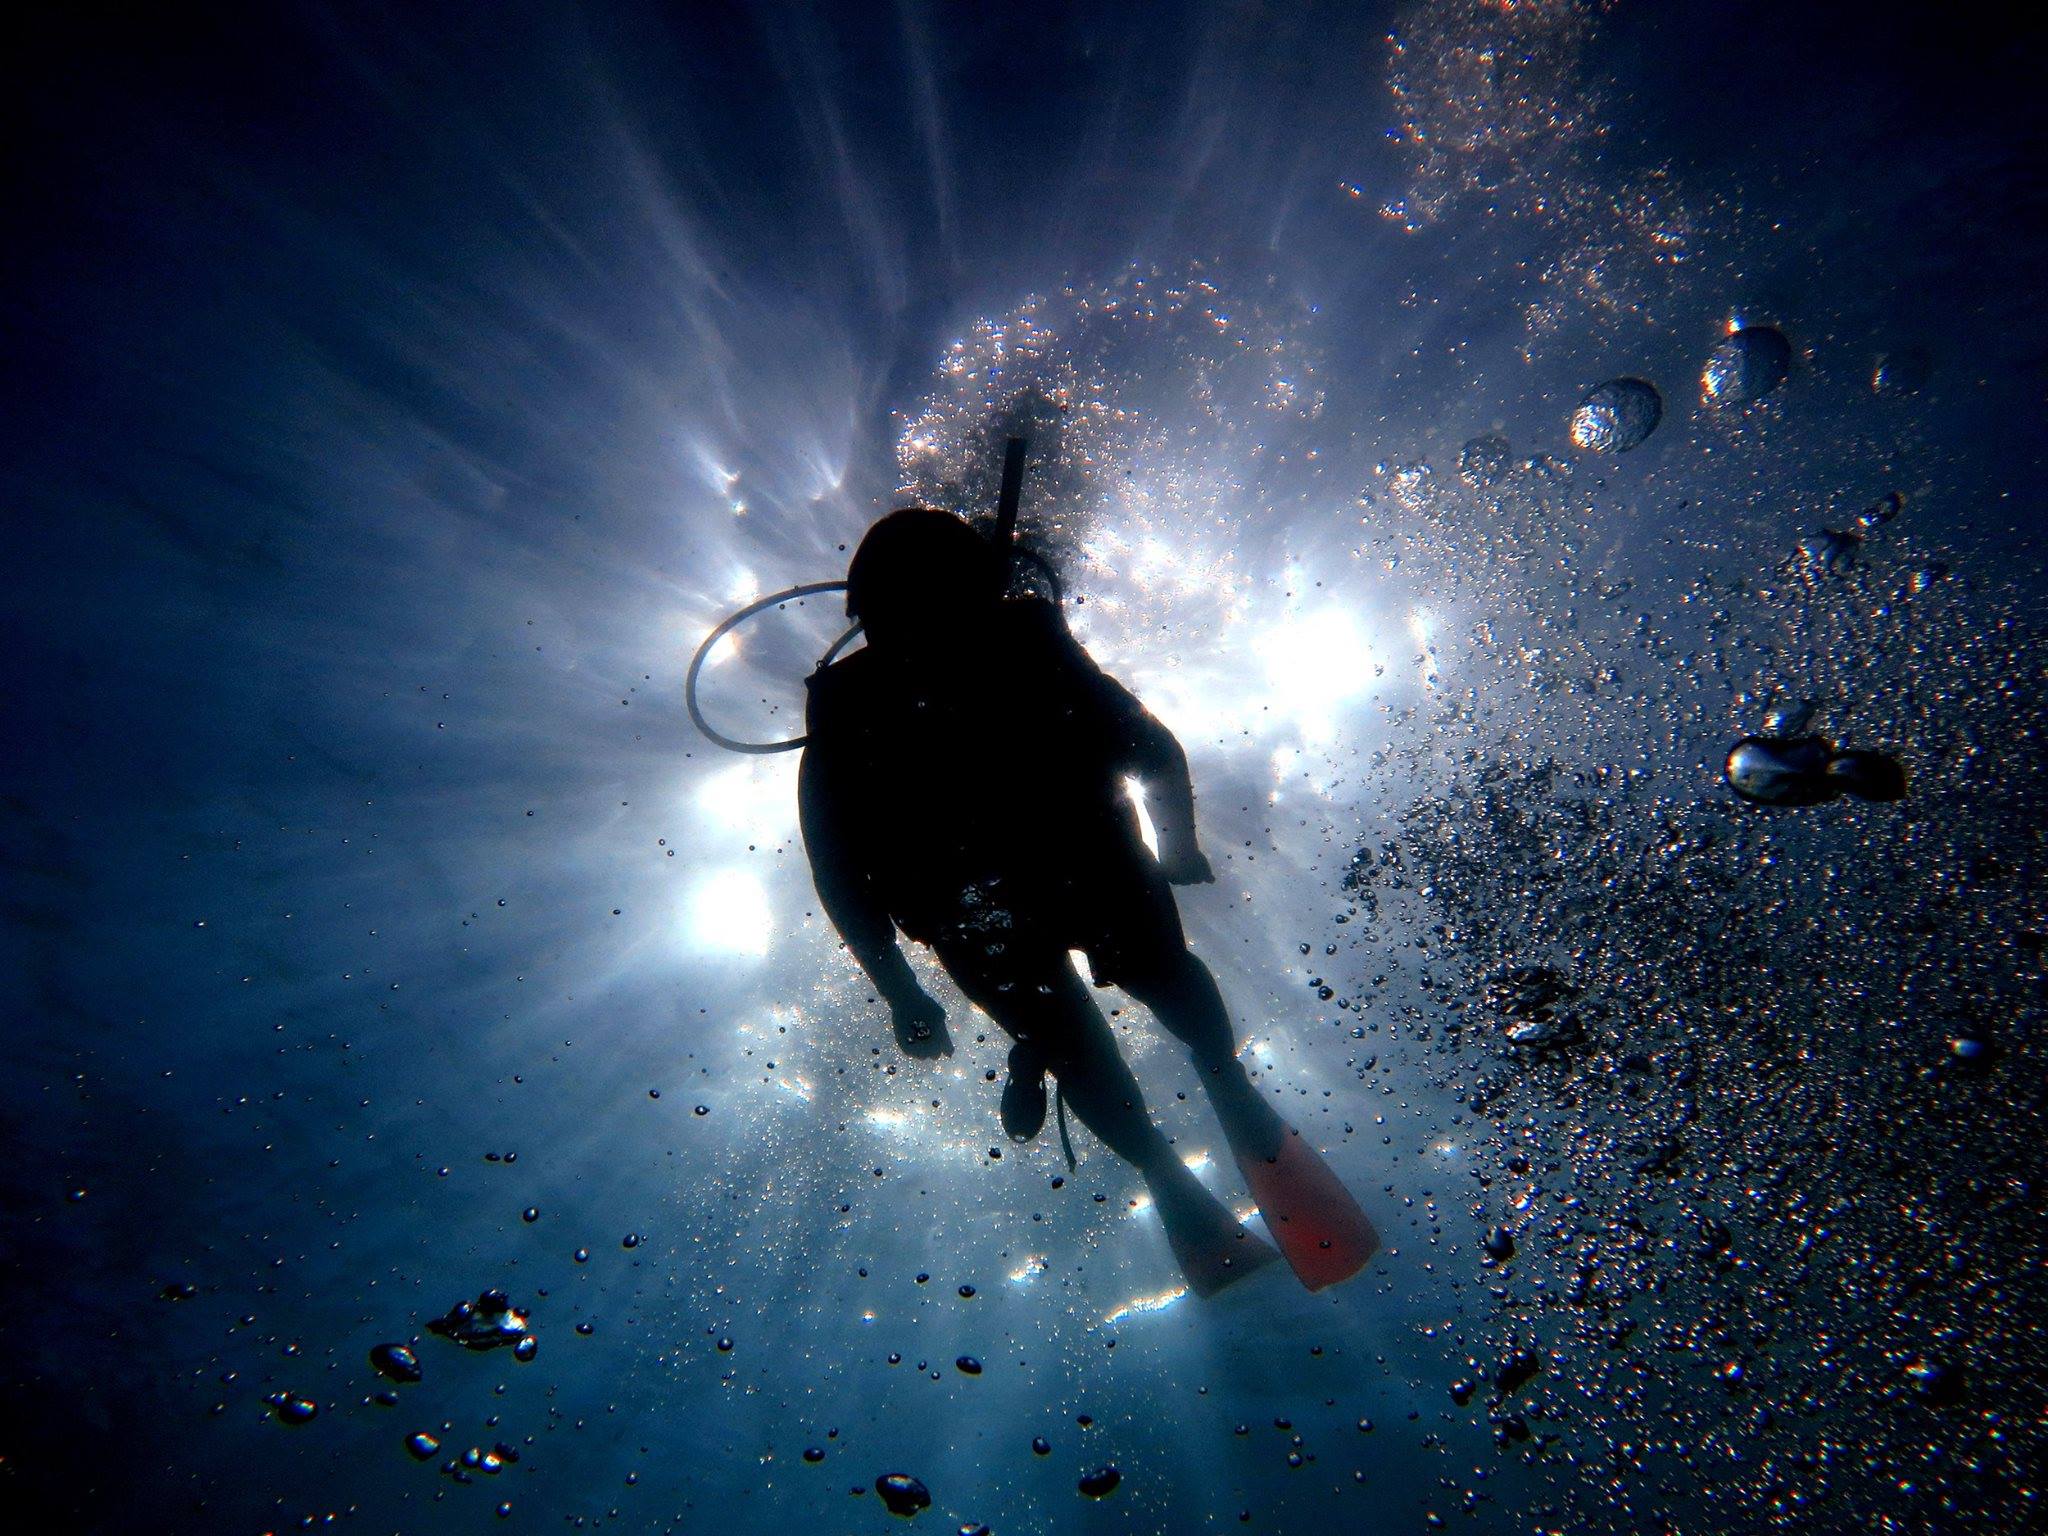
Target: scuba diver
[964, 781]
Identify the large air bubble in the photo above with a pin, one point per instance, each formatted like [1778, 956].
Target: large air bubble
[1617, 416]
[1751, 363]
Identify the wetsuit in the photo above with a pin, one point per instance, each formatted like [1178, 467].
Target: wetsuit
[978, 804]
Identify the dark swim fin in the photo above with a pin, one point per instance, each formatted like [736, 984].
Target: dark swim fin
[1211, 1247]
[1321, 1230]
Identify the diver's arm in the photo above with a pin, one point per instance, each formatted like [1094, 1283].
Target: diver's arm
[1158, 762]
[848, 897]
[850, 901]
[1152, 754]
[1162, 768]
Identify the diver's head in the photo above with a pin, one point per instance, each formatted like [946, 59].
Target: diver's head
[920, 577]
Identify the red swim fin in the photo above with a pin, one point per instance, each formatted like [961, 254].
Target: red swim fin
[1321, 1231]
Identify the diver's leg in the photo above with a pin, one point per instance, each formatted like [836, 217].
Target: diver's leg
[1058, 1027]
[1182, 994]
[1053, 1014]
[1210, 1245]
[1101, 1089]
[1319, 1226]
[1138, 944]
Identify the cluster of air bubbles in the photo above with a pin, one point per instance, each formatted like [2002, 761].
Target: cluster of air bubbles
[1485, 461]
[1491, 102]
[1686, 1033]
[1831, 552]
[1496, 112]
[1411, 487]
[489, 1322]
[1748, 364]
[1105, 382]
[1509, 1377]
[470, 1464]
[291, 1408]
[1537, 1002]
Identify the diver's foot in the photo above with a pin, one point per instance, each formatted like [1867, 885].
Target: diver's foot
[1024, 1099]
[1211, 1246]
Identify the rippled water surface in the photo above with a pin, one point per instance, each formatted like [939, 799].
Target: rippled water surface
[436, 1102]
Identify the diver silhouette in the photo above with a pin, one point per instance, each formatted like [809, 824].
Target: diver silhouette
[964, 780]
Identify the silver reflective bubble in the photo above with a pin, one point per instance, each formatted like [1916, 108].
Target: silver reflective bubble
[1617, 416]
[1751, 363]
[1779, 770]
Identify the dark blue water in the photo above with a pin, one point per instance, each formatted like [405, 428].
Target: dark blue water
[393, 400]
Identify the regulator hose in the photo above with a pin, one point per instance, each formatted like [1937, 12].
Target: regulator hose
[733, 621]
[1006, 544]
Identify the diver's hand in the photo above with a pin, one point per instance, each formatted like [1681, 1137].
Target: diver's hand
[1186, 866]
[920, 1026]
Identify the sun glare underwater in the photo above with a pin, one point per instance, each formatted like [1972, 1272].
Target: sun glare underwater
[1567, 471]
